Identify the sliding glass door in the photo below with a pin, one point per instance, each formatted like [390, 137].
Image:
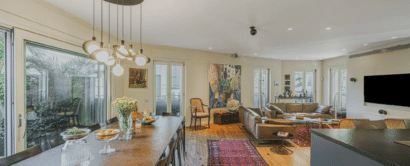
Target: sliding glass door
[305, 85]
[169, 87]
[261, 87]
[6, 95]
[337, 88]
[63, 89]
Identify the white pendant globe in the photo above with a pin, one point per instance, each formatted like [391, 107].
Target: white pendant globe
[90, 46]
[110, 61]
[118, 70]
[140, 60]
[101, 54]
[119, 55]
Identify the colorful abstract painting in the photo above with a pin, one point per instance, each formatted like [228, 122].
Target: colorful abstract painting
[224, 85]
[138, 78]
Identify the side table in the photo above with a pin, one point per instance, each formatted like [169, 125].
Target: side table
[282, 146]
[226, 118]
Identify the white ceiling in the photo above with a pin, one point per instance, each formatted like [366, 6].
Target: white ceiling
[224, 25]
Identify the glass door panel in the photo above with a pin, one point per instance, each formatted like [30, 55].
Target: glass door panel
[261, 88]
[161, 88]
[299, 83]
[169, 89]
[256, 87]
[63, 89]
[176, 89]
[264, 88]
[2, 96]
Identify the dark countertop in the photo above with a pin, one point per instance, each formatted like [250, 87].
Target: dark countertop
[377, 145]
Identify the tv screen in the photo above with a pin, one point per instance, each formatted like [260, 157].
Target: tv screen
[387, 89]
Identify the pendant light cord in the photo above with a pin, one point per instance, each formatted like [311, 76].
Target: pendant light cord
[102, 22]
[122, 19]
[131, 24]
[118, 18]
[141, 26]
[109, 24]
[93, 18]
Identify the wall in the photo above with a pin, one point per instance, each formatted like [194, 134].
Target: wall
[396, 62]
[196, 66]
[338, 62]
[290, 66]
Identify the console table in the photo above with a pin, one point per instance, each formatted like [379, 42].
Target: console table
[277, 98]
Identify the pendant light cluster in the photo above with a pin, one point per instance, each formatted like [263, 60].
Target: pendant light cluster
[111, 56]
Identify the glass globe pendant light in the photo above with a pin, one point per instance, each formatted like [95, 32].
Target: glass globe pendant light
[91, 45]
[118, 70]
[102, 54]
[141, 59]
[120, 49]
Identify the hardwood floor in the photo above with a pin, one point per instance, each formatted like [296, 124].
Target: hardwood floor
[197, 150]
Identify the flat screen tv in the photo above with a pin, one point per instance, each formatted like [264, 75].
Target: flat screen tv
[387, 89]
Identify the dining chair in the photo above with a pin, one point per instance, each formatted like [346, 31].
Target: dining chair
[55, 142]
[168, 157]
[21, 156]
[94, 127]
[348, 123]
[179, 146]
[74, 111]
[377, 124]
[395, 123]
[198, 112]
[168, 114]
[112, 120]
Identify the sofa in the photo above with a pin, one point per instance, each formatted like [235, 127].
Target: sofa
[281, 110]
[253, 121]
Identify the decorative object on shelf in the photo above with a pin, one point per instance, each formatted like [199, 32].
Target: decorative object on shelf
[138, 78]
[125, 106]
[287, 77]
[106, 135]
[287, 82]
[224, 83]
[109, 55]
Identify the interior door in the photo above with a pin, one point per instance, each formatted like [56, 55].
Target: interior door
[169, 87]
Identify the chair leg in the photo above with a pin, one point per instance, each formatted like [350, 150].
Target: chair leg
[209, 122]
[179, 152]
[200, 122]
[195, 124]
[191, 122]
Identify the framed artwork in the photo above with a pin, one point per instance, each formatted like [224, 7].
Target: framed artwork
[287, 82]
[224, 83]
[138, 78]
[287, 77]
[287, 88]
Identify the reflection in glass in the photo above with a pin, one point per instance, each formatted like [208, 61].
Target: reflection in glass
[63, 90]
[176, 89]
[2, 85]
[161, 88]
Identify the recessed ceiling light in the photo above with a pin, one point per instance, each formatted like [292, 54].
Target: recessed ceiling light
[365, 44]
[289, 29]
[210, 48]
[256, 54]
[344, 49]
[328, 28]
[394, 37]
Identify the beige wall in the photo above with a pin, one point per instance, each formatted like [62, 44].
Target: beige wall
[290, 66]
[396, 62]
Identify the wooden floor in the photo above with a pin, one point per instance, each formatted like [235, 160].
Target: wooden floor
[197, 150]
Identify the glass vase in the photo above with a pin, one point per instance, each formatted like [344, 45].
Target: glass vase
[125, 126]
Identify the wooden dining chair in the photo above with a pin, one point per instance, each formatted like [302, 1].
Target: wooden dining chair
[112, 120]
[168, 114]
[21, 156]
[348, 123]
[198, 112]
[55, 142]
[407, 122]
[73, 112]
[376, 124]
[95, 127]
[168, 157]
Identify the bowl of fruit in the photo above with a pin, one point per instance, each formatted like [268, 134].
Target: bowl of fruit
[148, 120]
[106, 135]
[75, 134]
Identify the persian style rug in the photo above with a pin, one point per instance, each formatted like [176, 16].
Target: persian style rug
[302, 137]
[233, 152]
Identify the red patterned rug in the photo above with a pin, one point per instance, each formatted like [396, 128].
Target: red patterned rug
[302, 138]
[233, 152]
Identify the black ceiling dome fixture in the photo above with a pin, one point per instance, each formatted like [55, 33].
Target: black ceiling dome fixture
[253, 31]
[125, 2]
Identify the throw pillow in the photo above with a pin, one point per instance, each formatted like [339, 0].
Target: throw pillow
[276, 109]
[324, 109]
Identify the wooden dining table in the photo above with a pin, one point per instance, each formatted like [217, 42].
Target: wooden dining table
[146, 147]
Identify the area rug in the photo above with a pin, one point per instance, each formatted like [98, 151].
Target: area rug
[233, 152]
[302, 137]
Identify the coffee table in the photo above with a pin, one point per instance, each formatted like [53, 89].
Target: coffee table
[282, 146]
[308, 121]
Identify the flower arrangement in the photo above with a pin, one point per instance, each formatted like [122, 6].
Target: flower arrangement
[125, 106]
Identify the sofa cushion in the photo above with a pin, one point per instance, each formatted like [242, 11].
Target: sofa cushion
[324, 109]
[269, 113]
[281, 116]
[276, 109]
[317, 115]
[310, 107]
[279, 121]
[282, 106]
[293, 107]
[256, 110]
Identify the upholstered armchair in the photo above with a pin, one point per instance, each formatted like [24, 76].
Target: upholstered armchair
[198, 112]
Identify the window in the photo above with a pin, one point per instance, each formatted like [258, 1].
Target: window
[261, 87]
[305, 85]
[337, 88]
[63, 89]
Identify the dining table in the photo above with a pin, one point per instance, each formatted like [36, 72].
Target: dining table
[146, 147]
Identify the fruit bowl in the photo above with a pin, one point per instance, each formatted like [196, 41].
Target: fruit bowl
[147, 121]
[106, 135]
[75, 134]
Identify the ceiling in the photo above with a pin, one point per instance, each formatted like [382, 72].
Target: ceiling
[224, 25]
